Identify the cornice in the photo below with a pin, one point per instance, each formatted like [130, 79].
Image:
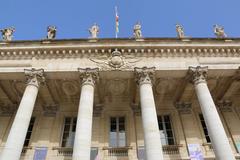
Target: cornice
[88, 49]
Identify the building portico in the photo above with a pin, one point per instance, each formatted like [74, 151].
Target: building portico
[124, 99]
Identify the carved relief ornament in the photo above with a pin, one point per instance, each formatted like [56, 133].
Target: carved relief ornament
[50, 110]
[136, 109]
[89, 75]
[144, 75]
[97, 111]
[198, 74]
[225, 105]
[115, 62]
[184, 107]
[7, 110]
[34, 76]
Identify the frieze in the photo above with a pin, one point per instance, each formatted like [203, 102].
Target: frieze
[98, 53]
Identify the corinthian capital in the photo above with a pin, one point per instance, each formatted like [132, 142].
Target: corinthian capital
[144, 75]
[89, 75]
[198, 74]
[34, 76]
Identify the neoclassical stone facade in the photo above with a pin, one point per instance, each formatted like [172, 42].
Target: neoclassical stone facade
[120, 99]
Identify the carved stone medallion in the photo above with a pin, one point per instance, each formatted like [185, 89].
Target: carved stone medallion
[70, 88]
[116, 87]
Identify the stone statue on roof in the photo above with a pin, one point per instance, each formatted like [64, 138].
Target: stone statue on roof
[94, 31]
[51, 32]
[7, 33]
[180, 31]
[137, 30]
[219, 31]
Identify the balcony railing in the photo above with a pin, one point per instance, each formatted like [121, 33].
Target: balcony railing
[25, 149]
[68, 151]
[64, 151]
[167, 149]
[209, 146]
[171, 149]
[117, 151]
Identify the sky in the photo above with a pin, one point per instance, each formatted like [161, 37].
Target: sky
[158, 17]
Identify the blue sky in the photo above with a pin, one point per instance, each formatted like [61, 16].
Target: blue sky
[158, 17]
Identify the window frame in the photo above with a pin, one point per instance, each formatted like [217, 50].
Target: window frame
[117, 128]
[202, 128]
[71, 126]
[165, 130]
[32, 131]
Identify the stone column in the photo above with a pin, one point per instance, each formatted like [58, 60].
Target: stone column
[83, 135]
[219, 140]
[152, 141]
[17, 134]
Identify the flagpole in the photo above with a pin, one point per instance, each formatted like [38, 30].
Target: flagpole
[116, 22]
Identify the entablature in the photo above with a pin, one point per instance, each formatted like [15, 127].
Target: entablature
[148, 47]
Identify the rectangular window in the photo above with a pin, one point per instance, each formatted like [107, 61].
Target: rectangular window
[69, 131]
[204, 128]
[29, 132]
[117, 137]
[165, 129]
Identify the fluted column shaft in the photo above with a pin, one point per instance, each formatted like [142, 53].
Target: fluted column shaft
[219, 140]
[152, 141]
[15, 141]
[83, 136]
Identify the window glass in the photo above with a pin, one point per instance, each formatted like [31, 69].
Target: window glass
[69, 131]
[29, 132]
[205, 131]
[117, 135]
[165, 130]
